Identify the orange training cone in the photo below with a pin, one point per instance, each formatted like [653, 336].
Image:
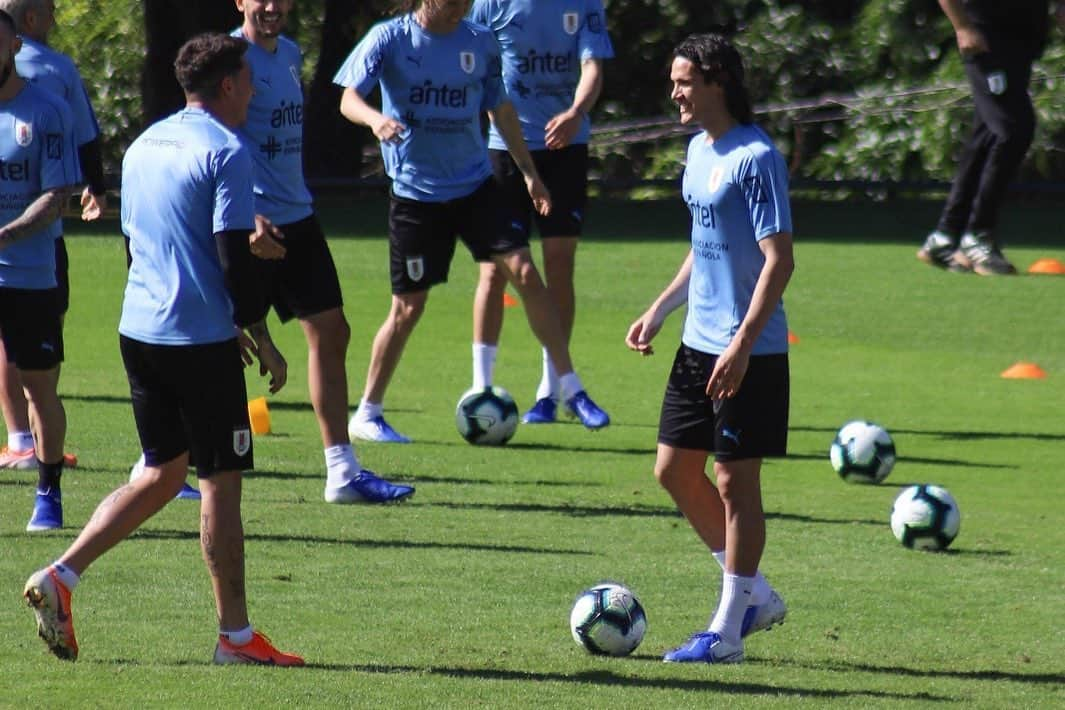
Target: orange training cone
[259, 414]
[792, 338]
[1025, 371]
[509, 300]
[1047, 266]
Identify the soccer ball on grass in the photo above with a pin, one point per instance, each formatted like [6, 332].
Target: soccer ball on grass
[862, 452]
[608, 620]
[925, 517]
[486, 416]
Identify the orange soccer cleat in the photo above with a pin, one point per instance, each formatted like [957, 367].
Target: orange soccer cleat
[50, 600]
[258, 651]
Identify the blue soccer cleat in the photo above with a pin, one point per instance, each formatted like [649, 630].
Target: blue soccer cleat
[706, 647]
[47, 512]
[582, 407]
[368, 488]
[188, 492]
[376, 429]
[543, 412]
[760, 617]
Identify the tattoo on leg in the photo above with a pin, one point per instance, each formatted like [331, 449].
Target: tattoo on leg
[207, 543]
[107, 503]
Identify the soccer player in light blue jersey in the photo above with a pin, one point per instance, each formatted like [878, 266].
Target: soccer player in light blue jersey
[727, 393]
[38, 163]
[438, 73]
[553, 52]
[43, 66]
[193, 310]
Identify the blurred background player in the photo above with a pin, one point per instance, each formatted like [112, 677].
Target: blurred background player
[728, 388]
[188, 209]
[43, 66]
[553, 52]
[438, 74]
[38, 164]
[998, 42]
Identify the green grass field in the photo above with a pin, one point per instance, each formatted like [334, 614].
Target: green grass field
[460, 598]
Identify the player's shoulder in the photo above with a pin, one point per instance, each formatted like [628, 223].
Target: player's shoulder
[755, 143]
[44, 101]
[287, 46]
[477, 33]
[45, 55]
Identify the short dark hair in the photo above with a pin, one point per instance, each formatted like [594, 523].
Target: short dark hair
[8, 20]
[206, 59]
[720, 63]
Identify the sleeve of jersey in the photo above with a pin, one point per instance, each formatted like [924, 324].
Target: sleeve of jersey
[765, 188]
[59, 155]
[362, 69]
[85, 126]
[234, 198]
[594, 41]
[243, 274]
[494, 93]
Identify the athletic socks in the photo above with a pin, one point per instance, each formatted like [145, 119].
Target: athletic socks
[761, 590]
[368, 411]
[240, 637]
[735, 598]
[67, 576]
[19, 440]
[341, 465]
[570, 385]
[549, 385]
[48, 475]
[484, 363]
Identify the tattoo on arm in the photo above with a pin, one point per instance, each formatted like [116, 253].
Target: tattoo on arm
[46, 209]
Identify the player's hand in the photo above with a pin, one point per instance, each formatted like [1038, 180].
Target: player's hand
[266, 241]
[541, 198]
[389, 130]
[728, 372]
[971, 42]
[642, 332]
[248, 349]
[273, 362]
[92, 206]
[560, 131]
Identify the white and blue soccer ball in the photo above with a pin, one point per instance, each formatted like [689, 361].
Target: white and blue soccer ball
[608, 620]
[862, 452]
[486, 416]
[925, 517]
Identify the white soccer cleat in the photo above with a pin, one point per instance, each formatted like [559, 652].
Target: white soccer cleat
[376, 430]
[760, 617]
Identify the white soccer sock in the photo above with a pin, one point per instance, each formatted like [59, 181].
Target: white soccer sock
[484, 364]
[549, 384]
[19, 440]
[570, 385]
[368, 411]
[761, 590]
[67, 576]
[341, 465]
[735, 598]
[240, 637]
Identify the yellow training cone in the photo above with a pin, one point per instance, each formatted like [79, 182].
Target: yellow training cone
[1025, 371]
[1047, 266]
[259, 414]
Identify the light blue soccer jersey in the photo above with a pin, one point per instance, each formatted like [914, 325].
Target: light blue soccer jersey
[736, 189]
[37, 154]
[184, 179]
[438, 86]
[41, 65]
[543, 44]
[274, 132]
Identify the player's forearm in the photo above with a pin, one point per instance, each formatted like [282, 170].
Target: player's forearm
[92, 166]
[242, 278]
[956, 13]
[773, 279]
[354, 108]
[675, 294]
[259, 333]
[505, 119]
[589, 86]
[47, 208]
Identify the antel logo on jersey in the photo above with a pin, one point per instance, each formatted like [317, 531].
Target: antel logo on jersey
[571, 22]
[467, 61]
[429, 95]
[287, 114]
[546, 63]
[23, 133]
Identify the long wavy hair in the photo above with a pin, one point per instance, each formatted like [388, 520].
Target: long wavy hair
[719, 63]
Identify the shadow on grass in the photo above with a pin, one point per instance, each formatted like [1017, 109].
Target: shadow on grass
[848, 667]
[416, 478]
[160, 534]
[647, 451]
[914, 459]
[959, 435]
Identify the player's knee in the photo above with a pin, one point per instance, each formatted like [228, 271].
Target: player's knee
[406, 312]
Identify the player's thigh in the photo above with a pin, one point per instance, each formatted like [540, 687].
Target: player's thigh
[306, 280]
[421, 243]
[481, 224]
[753, 424]
[31, 328]
[62, 276]
[686, 420]
[156, 403]
[565, 174]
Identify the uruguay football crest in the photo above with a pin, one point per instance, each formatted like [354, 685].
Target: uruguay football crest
[467, 61]
[996, 83]
[23, 133]
[415, 268]
[571, 22]
[241, 441]
[715, 178]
